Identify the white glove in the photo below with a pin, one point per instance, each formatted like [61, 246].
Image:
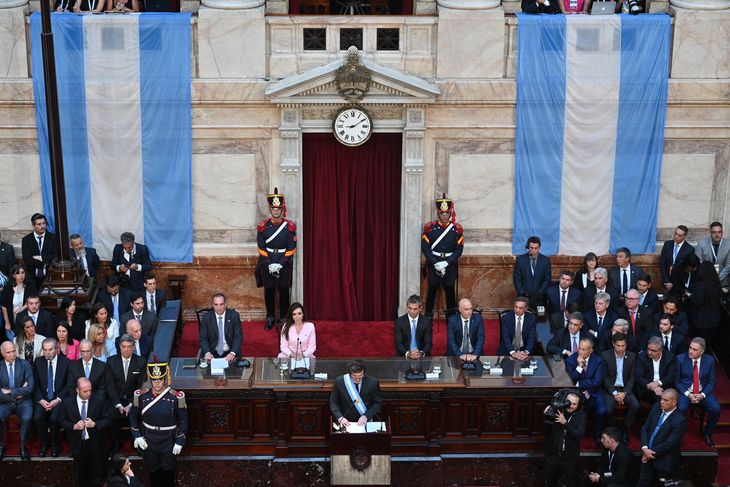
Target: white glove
[274, 268]
[441, 266]
[140, 443]
[176, 449]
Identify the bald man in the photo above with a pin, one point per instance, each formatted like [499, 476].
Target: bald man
[465, 333]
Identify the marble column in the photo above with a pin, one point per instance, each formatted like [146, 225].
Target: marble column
[232, 39]
[470, 39]
[701, 37]
[411, 205]
[14, 54]
[291, 170]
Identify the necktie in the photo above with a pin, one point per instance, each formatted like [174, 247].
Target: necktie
[87, 369]
[358, 388]
[11, 376]
[517, 342]
[714, 254]
[35, 319]
[562, 301]
[532, 265]
[666, 342]
[126, 369]
[152, 303]
[641, 299]
[575, 345]
[414, 343]
[115, 305]
[138, 317]
[656, 430]
[633, 322]
[85, 434]
[136, 348]
[221, 347]
[465, 337]
[600, 323]
[49, 391]
[696, 379]
[676, 251]
[624, 283]
[40, 243]
[610, 460]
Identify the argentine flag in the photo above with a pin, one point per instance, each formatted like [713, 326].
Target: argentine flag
[591, 106]
[124, 103]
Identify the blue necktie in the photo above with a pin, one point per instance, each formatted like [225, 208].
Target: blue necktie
[11, 376]
[49, 392]
[414, 343]
[676, 251]
[656, 430]
[85, 434]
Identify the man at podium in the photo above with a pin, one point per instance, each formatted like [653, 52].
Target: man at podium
[357, 395]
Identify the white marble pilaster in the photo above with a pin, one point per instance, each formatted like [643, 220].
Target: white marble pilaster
[701, 4]
[699, 45]
[291, 164]
[14, 54]
[411, 207]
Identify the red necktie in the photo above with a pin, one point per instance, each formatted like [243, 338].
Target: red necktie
[696, 379]
[562, 301]
[633, 322]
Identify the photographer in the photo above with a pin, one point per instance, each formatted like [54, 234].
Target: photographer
[565, 424]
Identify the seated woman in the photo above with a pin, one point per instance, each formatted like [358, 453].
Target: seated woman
[574, 6]
[96, 6]
[13, 297]
[67, 346]
[67, 313]
[584, 276]
[103, 348]
[123, 6]
[298, 338]
[100, 316]
[28, 342]
[121, 473]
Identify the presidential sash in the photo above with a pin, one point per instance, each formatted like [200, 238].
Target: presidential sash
[354, 395]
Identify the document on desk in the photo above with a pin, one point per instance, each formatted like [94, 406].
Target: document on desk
[370, 427]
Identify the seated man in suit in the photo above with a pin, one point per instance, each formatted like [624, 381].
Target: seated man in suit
[566, 341]
[616, 463]
[586, 370]
[39, 249]
[531, 275]
[221, 334]
[716, 249]
[673, 341]
[656, 371]
[413, 331]
[87, 367]
[154, 298]
[601, 317]
[673, 252]
[85, 417]
[125, 373]
[143, 345]
[670, 307]
[563, 294]
[559, 320]
[623, 276]
[115, 298]
[51, 373]
[357, 395]
[518, 331]
[87, 257]
[697, 388]
[43, 319]
[618, 381]
[16, 395]
[605, 341]
[600, 285]
[639, 319]
[661, 440]
[132, 260]
[648, 299]
[139, 312]
[467, 346]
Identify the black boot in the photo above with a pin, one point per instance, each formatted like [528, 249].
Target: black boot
[269, 323]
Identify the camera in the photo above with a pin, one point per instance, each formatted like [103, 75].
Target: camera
[559, 402]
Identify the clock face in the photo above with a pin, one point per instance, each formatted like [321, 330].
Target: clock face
[352, 126]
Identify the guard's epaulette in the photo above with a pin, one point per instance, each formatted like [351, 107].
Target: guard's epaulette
[262, 225]
[459, 228]
[137, 393]
[291, 226]
[427, 227]
[180, 395]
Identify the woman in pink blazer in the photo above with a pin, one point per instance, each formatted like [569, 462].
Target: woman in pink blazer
[67, 346]
[297, 336]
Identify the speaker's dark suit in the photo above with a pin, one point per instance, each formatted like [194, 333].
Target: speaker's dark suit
[590, 381]
[44, 324]
[140, 256]
[92, 260]
[97, 376]
[615, 275]
[160, 299]
[507, 332]
[562, 341]
[148, 320]
[707, 376]
[609, 385]
[123, 301]
[527, 282]
[456, 334]
[342, 406]
[589, 297]
[666, 446]
[233, 333]
[88, 470]
[554, 295]
[20, 399]
[29, 247]
[591, 321]
[146, 346]
[41, 419]
[645, 374]
[621, 468]
[402, 333]
[667, 260]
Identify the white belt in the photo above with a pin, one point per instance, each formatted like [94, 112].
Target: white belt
[443, 255]
[159, 428]
[275, 251]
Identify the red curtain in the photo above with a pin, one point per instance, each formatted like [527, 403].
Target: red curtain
[351, 227]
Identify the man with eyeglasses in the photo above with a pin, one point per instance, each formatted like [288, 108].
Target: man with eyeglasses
[716, 249]
[88, 367]
[656, 371]
[639, 318]
[673, 253]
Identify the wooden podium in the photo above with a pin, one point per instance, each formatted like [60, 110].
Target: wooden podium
[360, 458]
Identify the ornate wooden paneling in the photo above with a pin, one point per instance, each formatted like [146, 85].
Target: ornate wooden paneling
[496, 416]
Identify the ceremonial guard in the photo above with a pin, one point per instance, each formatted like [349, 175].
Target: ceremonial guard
[442, 243]
[159, 421]
[277, 243]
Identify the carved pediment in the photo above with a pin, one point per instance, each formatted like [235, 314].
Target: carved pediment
[318, 87]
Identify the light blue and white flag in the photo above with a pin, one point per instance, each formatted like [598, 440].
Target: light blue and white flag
[591, 106]
[124, 103]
